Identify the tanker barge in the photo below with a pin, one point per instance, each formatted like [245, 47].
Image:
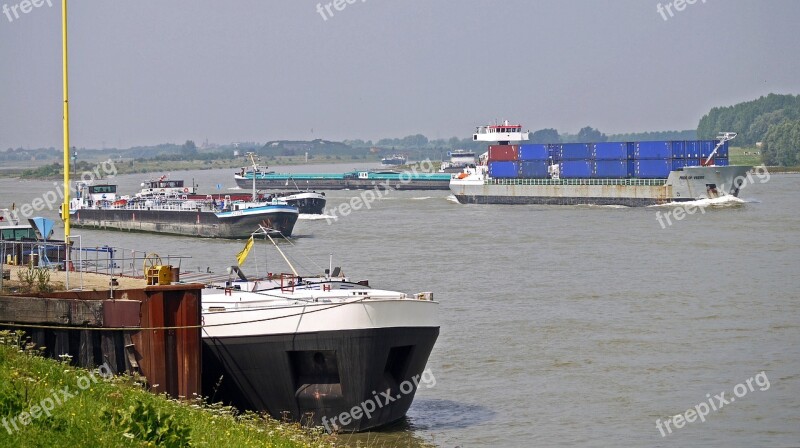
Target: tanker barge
[97, 206]
[606, 173]
[352, 180]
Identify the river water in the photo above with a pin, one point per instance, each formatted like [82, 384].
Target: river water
[564, 326]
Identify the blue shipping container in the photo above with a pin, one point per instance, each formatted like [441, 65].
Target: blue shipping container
[653, 150]
[692, 162]
[610, 151]
[575, 151]
[678, 164]
[723, 151]
[534, 169]
[706, 147]
[653, 169]
[504, 170]
[576, 169]
[721, 161]
[678, 149]
[611, 169]
[692, 149]
[533, 152]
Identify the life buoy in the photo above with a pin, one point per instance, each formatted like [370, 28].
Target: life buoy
[185, 190]
[162, 190]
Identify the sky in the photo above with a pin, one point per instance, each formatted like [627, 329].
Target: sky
[152, 71]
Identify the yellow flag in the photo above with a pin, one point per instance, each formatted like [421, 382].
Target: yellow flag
[241, 256]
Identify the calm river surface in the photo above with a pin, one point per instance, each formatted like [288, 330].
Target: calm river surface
[563, 326]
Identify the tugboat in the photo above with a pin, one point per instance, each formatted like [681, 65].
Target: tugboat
[314, 348]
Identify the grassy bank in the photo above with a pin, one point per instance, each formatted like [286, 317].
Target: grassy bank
[86, 411]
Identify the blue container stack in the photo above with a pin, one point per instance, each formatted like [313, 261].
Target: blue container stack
[534, 160]
[576, 169]
[504, 170]
[653, 168]
[608, 160]
[610, 151]
[575, 151]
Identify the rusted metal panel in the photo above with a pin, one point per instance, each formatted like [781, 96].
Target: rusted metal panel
[189, 344]
[170, 359]
[122, 313]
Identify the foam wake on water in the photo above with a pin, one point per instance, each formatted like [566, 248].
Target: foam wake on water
[452, 198]
[608, 206]
[723, 201]
[422, 198]
[309, 217]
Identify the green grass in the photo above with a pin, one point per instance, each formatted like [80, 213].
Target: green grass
[737, 156]
[118, 412]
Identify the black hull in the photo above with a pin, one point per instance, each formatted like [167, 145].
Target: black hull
[344, 184]
[549, 200]
[315, 377]
[184, 222]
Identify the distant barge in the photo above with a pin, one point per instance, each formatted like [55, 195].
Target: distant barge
[352, 180]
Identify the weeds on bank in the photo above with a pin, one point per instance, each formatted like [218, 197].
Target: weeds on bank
[120, 412]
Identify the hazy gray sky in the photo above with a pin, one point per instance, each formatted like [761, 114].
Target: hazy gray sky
[146, 71]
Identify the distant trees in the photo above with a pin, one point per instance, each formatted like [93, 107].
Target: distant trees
[189, 149]
[589, 135]
[545, 136]
[690, 134]
[752, 119]
[781, 145]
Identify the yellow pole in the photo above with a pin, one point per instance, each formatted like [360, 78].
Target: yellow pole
[65, 205]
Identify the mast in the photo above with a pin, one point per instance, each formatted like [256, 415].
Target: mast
[65, 205]
[252, 156]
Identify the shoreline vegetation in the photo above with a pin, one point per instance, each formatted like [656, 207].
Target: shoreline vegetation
[101, 410]
[738, 156]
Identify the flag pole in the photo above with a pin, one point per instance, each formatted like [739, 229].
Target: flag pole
[65, 205]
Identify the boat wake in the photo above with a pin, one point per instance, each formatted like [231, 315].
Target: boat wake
[309, 217]
[609, 206]
[724, 201]
[422, 198]
[452, 198]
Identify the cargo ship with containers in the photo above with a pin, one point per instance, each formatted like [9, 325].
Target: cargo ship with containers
[351, 180]
[603, 173]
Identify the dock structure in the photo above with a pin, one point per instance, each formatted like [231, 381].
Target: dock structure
[154, 331]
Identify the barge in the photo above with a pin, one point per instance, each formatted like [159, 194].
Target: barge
[604, 173]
